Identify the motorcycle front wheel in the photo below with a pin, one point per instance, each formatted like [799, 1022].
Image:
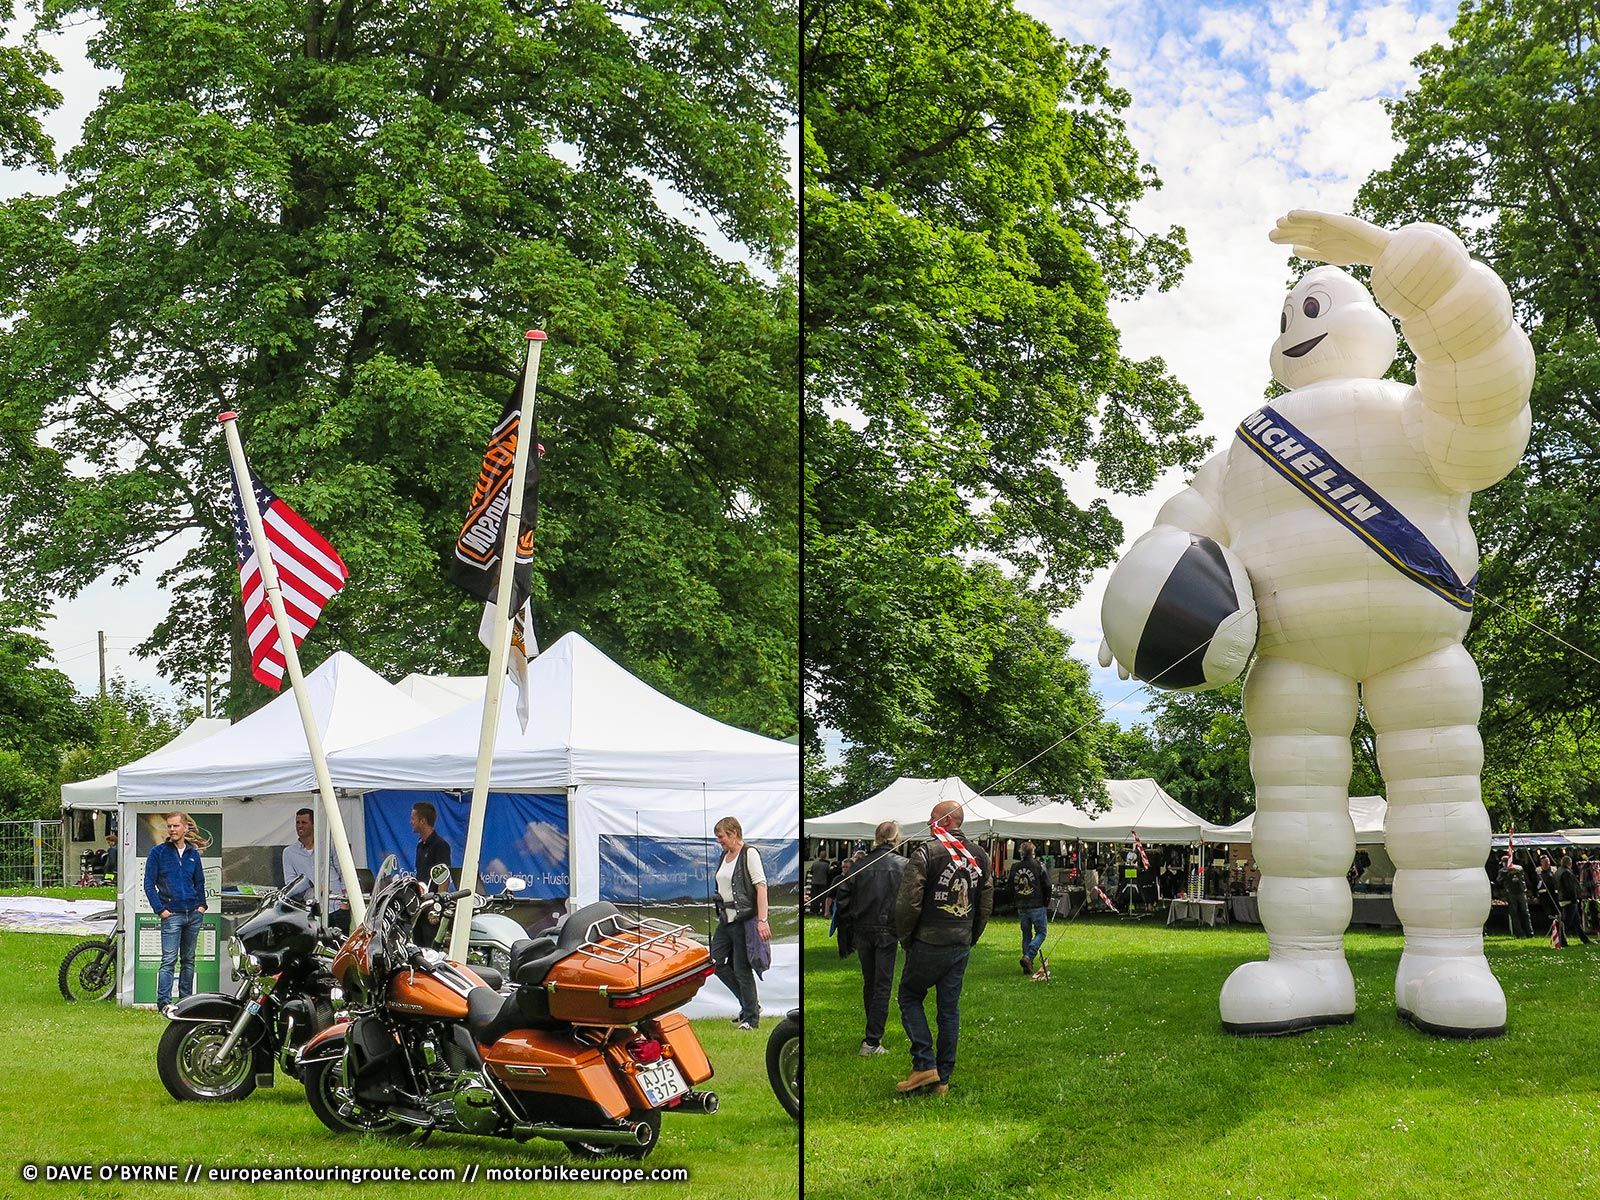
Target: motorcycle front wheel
[188, 1064]
[596, 1150]
[89, 971]
[327, 1094]
[783, 1065]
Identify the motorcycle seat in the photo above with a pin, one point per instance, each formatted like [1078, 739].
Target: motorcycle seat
[491, 1015]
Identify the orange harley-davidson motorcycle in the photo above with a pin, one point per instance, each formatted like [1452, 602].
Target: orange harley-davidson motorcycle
[579, 1043]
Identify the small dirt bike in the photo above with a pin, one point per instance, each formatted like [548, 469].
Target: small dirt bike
[89, 971]
[783, 1062]
[581, 1047]
[219, 1047]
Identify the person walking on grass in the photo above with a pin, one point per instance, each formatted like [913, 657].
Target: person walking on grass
[175, 886]
[1030, 884]
[867, 900]
[946, 895]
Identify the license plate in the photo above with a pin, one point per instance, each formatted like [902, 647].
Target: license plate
[661, 1082]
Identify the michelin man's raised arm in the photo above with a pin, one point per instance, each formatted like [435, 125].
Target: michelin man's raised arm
[1474, 365]
[1198, 508]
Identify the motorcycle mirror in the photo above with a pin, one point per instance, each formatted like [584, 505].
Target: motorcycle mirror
[439, 874]
[515, 883]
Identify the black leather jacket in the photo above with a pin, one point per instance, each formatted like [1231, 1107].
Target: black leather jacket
[867, 896]
[940, 901]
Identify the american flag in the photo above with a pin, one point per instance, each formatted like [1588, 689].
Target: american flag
[1144, 859]
[309, 572]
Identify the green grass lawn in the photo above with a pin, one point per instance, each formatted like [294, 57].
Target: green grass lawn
[80, 1086]
[1115, 1079]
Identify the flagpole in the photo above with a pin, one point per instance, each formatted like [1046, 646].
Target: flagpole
[269, 581]
[499, 648]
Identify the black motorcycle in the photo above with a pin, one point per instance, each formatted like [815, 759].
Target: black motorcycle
[220, 1047]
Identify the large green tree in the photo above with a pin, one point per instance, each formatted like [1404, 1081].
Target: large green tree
[967, 182]
[1501, 143]
[338, 219]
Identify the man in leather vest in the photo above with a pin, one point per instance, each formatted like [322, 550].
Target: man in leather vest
[1030, 886]
[946, 895]
[868, 897]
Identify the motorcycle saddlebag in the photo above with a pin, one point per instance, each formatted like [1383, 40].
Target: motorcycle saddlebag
[377, 1061]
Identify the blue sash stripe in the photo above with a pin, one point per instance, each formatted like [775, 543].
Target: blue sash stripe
[1341, 494]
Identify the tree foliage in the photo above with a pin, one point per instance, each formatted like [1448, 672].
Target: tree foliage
[967, 182]
[338, 219]
[1501, 142]
[124, 725]
[39, 716]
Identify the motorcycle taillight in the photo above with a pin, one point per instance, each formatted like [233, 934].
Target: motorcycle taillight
[645, 1051]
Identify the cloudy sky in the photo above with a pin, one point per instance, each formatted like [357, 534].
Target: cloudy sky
[1246, 111]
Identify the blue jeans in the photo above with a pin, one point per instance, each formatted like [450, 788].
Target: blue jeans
[1034, 921]
[179, 932]
[941, 969]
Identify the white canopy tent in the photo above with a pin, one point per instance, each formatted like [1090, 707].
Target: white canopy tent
[633, 763]
[442, 693]
[1367, 813]
[101, 791]
[908, 801]
[1137, 806]
[265, 753]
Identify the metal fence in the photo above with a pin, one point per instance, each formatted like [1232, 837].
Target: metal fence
[30, 854]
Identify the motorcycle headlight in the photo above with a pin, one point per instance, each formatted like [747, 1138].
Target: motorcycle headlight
[243, 964]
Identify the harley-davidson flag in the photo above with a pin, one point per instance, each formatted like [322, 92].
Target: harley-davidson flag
[475, 560]
[309, 570]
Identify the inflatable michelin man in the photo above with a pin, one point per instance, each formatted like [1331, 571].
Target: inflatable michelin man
[1345, 503]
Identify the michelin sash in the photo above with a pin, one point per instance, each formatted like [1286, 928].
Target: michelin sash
[1342, 495]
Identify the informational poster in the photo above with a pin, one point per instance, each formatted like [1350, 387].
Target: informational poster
[150, 830]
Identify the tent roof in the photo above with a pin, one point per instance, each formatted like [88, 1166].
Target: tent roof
[1137, 805]
[265, 753]
[908, 801]
[590, 721]
[1367, 813]
[101, 791]
[441, 693]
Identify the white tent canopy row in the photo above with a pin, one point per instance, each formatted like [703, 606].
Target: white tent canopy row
[630, 760]
[1367, 813]
[908, 801]
[1137, 805]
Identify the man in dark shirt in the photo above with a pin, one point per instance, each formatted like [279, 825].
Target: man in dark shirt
[432, 850]
[946, 895]
[1514, 883]
[867, 900]
[1030, 884]
[1567, 893]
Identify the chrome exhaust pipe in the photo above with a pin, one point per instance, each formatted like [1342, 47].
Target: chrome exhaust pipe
[698, 1103]
[623, 1135]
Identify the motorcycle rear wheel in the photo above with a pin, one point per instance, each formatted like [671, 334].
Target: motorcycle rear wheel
[783, 1065]
[186, 1061]
[326, 1093]
[89, 971]
[596, 1150]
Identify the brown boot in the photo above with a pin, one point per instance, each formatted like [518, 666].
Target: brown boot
[917, 1080]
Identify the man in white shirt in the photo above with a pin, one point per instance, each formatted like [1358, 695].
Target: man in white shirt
[298, 859]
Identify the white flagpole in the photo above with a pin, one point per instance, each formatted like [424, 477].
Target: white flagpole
[269, 580]
[500, 647]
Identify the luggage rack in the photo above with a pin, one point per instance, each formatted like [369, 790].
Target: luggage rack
[633, 936]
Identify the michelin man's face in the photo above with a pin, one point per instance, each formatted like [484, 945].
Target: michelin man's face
[1330, 329]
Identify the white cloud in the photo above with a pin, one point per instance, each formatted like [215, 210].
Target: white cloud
[1245, 114]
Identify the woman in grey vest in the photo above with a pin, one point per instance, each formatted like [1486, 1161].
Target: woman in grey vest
[741, 896]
